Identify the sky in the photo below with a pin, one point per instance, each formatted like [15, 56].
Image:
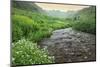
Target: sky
[61, 7]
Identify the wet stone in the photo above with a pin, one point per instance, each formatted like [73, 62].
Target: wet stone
[68, 45]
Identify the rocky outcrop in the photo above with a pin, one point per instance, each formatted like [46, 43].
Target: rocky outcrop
[68, 45]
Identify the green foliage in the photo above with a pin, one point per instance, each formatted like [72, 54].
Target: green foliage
[25, 6]
[60, 25]
[87, 21]
[39, 35]
[34, 26]
[21, 26]
[89, 27]
[25, 52]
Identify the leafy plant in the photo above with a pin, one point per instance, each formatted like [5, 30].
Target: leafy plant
[25, 52]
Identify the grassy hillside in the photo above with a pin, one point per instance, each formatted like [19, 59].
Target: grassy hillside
[87, 20]
[34, 24]
[27, 6]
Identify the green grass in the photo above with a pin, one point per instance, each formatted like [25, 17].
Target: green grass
[22, 26]
[89, 27]
[34, 26]
[87, 21]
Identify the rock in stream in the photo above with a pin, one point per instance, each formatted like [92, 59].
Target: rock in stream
[68, 45]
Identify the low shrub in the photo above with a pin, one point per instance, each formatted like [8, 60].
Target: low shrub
[25, 52]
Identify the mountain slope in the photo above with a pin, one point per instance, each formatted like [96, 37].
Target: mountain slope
[60, 14]
[29, 6]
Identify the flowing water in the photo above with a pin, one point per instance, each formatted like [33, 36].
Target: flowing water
[68, 45]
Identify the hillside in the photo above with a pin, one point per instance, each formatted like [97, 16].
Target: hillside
[86, 20]
[26, 6]
[61, 14]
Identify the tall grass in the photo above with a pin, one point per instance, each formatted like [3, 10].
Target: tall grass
[87, 21]
[34, 26]
[22, 26]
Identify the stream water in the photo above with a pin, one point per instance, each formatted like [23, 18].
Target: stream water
[68, 45]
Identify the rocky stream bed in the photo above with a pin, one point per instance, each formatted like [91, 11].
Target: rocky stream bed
[68, 45]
